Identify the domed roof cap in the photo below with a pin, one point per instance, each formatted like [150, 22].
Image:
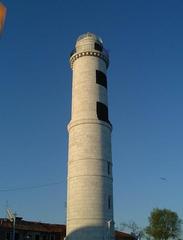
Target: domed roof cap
[90, 35]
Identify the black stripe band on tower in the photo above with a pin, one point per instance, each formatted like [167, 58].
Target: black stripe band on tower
[101, 78]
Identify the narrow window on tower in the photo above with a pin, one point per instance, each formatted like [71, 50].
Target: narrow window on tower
[101, 78]
[109, 202]
[102, 112]
[108, 168]
[98, 47]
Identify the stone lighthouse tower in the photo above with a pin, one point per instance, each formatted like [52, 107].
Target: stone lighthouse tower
[89, 186]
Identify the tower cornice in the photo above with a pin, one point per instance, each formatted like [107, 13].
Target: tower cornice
[101, 55]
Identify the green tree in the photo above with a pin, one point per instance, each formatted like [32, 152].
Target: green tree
[164, 224]
[132, 228]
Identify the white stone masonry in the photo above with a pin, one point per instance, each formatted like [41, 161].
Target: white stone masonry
[89, 182]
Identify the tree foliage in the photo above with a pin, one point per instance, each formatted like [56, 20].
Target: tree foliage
[164, 224]
[133, 229]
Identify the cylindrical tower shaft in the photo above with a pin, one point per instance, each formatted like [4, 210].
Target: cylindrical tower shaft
[89, 186]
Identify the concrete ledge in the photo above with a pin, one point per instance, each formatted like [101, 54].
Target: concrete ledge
[88, 121]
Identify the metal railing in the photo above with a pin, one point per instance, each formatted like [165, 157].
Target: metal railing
[85, 35]
[73, 52]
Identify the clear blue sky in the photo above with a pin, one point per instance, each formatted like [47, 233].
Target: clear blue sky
[145, 82]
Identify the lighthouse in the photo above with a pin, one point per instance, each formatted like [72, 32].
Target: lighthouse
[89, 179]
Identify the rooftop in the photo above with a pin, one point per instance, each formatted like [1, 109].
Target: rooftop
[90, 35]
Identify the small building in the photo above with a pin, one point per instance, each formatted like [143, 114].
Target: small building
[29, 230]
[124, 236]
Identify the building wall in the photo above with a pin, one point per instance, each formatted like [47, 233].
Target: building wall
[26, 230]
